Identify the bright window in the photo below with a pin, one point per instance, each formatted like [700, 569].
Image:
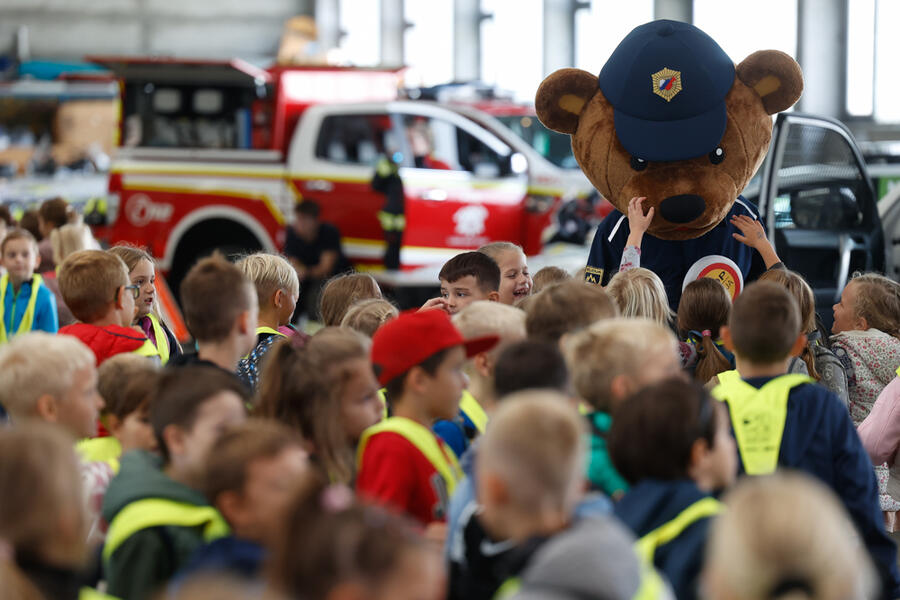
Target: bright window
[599, 30]
[428, 44]
[887, 46]
[742, 28]
[511, 46]
[860, 57]
[361, 22]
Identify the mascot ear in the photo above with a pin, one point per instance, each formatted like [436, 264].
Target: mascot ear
[775, 76]
[562, 96]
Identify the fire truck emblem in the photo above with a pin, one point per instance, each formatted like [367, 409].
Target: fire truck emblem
[141, 210]
[470, 220]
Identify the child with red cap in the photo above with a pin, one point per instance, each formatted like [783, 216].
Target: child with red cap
[419, 358]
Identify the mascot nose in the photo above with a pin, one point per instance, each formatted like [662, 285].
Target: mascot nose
[683, 208]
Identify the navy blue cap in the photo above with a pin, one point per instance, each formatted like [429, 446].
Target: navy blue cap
[667, 83]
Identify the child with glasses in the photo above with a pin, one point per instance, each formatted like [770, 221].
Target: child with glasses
[96, 288]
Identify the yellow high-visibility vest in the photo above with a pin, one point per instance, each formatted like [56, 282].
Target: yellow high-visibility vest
[436, 452]
[646, 546]
[162, 340]
[105, 449]
[758, 416]
[158, 512]
[473, 410]
[28, 318]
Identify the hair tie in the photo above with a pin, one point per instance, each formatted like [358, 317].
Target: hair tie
[336, 498]
[789, 584]
[706, 333]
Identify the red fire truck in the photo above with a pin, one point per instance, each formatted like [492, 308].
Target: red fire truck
[216, 153]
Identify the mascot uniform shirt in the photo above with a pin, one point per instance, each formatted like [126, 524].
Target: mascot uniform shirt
[672, 259]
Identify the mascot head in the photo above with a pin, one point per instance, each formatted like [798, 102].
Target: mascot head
[673, 119]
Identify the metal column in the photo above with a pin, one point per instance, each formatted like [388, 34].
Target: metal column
[822, 54]
[393, 26]
[559, 33]
[467, 17]
[675, 10]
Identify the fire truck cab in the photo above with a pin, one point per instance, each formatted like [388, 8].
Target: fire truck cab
[215, 154]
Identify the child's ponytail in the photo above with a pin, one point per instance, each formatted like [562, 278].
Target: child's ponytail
[711, 360]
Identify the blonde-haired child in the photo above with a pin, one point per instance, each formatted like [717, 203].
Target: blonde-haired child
[277, 289]
[639, 292]
[343, 291]
[142, 273]
[42, 529]
[565, 308]
[867, 338]
[65, 240]
[608, 362]
[515, 281]
[327, 391]
[366, 316]
[785, 536]
[549, 276]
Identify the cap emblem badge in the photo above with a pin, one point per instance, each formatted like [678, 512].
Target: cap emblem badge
[666, 83]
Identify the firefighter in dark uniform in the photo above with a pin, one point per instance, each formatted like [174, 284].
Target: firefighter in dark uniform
[393, 221]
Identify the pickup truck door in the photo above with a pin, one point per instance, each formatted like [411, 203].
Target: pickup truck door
[819, 205]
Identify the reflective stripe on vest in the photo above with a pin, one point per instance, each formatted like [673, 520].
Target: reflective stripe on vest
[508, 588]
[162, 340]
[105, 449]
[147, 349]
[646, 546]
[262, 330]
[28, 318]
[92, 594]
[158, 512]
[757, 416]
[472, 409]
[436, 452]
[391, 221]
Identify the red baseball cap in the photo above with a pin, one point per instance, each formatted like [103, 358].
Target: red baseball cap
[408, 340]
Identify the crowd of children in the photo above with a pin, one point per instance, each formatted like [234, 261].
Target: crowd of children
[514, 437]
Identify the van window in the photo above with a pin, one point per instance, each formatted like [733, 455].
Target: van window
[439, 144]
[355, 139]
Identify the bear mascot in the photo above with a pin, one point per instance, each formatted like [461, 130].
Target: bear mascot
[673, 120]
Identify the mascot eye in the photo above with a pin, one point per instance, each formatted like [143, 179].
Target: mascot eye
[638, 164]
[717, 156]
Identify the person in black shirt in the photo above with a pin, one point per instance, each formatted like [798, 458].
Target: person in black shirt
[314, 250]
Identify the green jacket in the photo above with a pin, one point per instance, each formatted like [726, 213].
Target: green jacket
[600, 470]
[150, 557]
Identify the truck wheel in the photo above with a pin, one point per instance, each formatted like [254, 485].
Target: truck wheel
[229, 238]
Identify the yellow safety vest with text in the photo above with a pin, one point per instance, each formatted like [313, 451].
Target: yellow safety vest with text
[436, 452]
[162, 340]
[105, 449]
[28, 318]
[473, 410]
[159, 512]
[758, 416]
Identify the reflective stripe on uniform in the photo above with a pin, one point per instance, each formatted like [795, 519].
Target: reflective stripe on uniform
[758, 416]
[28, 318]
[269, 330]
[646, 546]
[391, 222]
[157, 512]
[473, 410]
[437, 453]
[162, 340]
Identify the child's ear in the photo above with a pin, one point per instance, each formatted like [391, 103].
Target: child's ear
[699, 450]
[229, 503]
[799, 344]
[493, 490]
[173, 436]
[47, 408]
[483, 364]
[113, 423]
[37, 259]
[862, 324]
[494, 296]
[119, 294]
[278, 298]
[416, 379]
[243, 323]
[725, 336]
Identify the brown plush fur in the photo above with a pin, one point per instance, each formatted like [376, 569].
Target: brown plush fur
[767, 82]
